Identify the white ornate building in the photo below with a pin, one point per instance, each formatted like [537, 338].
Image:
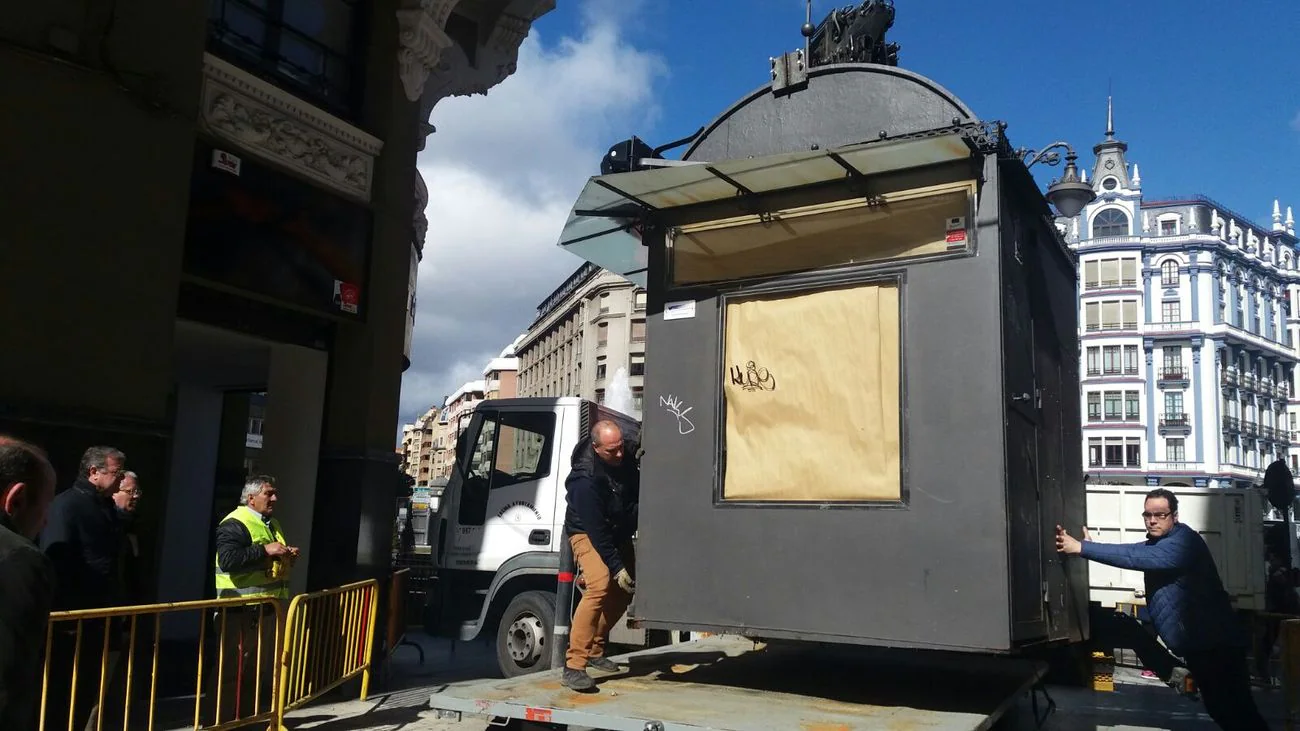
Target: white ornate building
[1188, 324]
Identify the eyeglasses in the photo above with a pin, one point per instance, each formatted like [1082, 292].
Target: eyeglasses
[1157, 516]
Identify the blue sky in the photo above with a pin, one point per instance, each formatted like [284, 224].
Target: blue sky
[1206, 95]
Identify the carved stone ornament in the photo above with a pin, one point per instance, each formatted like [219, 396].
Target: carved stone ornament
[272, 123]
[452, 75]
[421, 221]
[421, 42]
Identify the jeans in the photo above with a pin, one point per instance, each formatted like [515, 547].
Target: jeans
[603, 602]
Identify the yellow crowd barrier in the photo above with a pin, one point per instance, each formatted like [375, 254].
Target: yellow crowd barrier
[330, 638]
[95, 665]
[252, 663]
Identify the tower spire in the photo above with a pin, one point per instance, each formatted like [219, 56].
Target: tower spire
[1110, 118]
[1277, 216]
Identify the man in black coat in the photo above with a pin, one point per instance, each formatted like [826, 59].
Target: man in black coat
[26, 581]
[83, 540]
[603, 495]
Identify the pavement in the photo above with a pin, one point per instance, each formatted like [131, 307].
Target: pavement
[401, 702]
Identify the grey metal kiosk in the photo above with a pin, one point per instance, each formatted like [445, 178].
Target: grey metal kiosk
[861, 414]
[861, 419]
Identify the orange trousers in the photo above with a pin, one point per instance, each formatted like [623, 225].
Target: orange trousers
[603, 602]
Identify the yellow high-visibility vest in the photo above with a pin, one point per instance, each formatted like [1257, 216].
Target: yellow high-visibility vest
[257, 582]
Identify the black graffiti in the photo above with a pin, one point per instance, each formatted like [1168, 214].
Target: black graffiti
[753, 378]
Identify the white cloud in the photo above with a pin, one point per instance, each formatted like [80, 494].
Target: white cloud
[503, 172]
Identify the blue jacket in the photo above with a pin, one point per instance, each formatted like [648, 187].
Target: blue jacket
[1186, 599]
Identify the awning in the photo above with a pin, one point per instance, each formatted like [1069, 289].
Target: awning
[604, 225]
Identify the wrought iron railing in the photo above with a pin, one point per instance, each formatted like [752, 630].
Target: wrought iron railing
[256, 37]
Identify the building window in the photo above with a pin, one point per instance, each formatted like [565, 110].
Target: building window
[1094, 361]
[1173, 358]
[638, 299]
[1132, 453]
[307, 45]
[1110, 315]
[1174, 406]
[1114, 453]
[1171, 312]
[1169, 274]
[638, 398]
[1101, 273]
[1110, 222]
[600, 371]
[600, 395]
[1169, 227]
[602, 334]
[1094, 407]
[1094, 452]
[1130, 360]
[638, 331]
[1132, 408]
[1114, 405]
[1112, 360]
[1175, 450]
[604, 302]
[637, 366]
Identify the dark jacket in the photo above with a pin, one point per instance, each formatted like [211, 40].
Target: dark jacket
[1185, 597]
[26, 590]
[83, 539]
[603, 503]
[235, 550]
[129, 565]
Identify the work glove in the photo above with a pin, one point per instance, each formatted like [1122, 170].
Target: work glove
[624, 580]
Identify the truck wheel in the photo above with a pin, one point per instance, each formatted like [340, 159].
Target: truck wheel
[524, 635]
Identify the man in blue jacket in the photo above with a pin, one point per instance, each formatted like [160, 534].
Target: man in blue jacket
[1188, 605]
[603, 494]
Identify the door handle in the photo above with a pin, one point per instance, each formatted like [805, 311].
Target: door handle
[539, 538]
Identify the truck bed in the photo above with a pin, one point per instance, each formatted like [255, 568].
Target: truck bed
[734, 684]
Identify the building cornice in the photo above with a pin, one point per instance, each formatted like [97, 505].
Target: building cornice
[269, 122]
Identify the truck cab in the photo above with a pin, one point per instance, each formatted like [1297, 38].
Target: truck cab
[495, 539]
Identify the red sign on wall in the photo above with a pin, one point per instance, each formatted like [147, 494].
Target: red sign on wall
[347, 296]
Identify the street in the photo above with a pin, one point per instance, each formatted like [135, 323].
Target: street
[403, 703]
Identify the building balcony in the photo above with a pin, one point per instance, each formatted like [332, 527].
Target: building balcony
[1172, 329]
[1173, 376]
[1250, 381]
[1231, 424]
[1131, 419]
[1242, 336]
[1103, 284]
[1250, 428]
[1175, 467]
[1175, 423]
[1229, 377]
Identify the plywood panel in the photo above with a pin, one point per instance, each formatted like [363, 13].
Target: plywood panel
[812, 388]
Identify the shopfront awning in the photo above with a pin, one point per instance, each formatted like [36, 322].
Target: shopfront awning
[604, 225]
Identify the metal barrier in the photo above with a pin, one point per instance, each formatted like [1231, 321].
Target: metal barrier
[239, 632]
[329, 640]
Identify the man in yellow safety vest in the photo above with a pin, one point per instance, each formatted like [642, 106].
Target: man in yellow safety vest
[253, 556]
[253, 562]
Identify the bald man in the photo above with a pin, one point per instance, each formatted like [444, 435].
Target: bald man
[600, 520]
[26, 581]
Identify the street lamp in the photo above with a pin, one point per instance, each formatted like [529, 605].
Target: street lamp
[1069, 194]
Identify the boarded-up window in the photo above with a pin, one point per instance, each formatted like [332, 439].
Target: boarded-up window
[811, 382]
[908, 224]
